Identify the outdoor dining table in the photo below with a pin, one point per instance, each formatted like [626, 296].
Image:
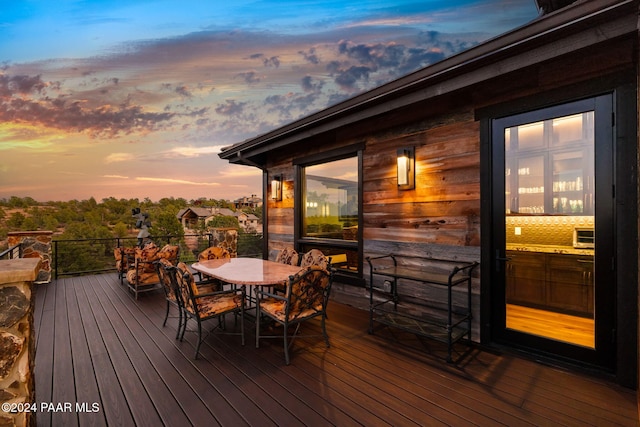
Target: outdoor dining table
[247, 271]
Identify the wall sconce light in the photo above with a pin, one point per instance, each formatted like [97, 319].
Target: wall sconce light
[276, 188]
[406, 168]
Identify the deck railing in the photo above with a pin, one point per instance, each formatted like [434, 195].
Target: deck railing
[14, 251]
[91, 256]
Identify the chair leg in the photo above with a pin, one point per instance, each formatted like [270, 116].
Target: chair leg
[258, 325]
[324, 331]
[184, 326]
[199, 339]
[166, 316]
[179, 322]
[242, 326]
[286, 345]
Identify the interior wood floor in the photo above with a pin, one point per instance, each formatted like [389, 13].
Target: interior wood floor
[557, 326]
[96, 344]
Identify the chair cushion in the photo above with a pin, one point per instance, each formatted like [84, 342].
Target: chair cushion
[147, 255]
[144, 278]
[306, 293]
[276, 308]
[211, 305]
[149, 252]
[314, 257]
[183, 270]
[165, 279]
[213, 252]
[287, 256]
[169, 252]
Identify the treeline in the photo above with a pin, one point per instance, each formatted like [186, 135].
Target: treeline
[89, 219]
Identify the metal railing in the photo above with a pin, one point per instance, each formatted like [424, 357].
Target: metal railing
[91, 256]
[12, 252]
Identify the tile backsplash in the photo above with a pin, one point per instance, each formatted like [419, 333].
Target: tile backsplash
[545, 230]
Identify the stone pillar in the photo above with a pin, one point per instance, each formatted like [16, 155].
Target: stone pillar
[35, 244]
[17, 339]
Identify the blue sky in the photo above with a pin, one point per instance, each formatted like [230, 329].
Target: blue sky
[135, 98]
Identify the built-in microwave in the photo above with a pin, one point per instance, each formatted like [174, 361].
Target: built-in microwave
[584, 238]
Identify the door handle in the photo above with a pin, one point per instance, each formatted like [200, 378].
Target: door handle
[500, 259]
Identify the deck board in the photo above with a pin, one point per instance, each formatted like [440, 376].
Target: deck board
[83, 371]
[136, 346]
[64, 387]
[95, 343]
[138, 399]
[194, 393]
[114, 409]
[44, 309]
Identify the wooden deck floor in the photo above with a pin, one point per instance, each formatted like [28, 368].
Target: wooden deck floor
[96, 345]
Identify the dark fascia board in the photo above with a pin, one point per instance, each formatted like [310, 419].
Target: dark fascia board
[548, 6]
[582, 24]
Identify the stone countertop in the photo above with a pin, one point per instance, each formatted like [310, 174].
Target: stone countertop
[19, 270]
[550, 249]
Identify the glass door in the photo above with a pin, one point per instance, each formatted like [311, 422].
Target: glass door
[547, 264]
[547, 276]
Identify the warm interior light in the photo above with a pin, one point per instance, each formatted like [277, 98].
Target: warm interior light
[403, 169]
[406, 168]
[276, 188]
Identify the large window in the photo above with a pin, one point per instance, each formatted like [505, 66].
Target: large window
[331, 200]
[329, 211]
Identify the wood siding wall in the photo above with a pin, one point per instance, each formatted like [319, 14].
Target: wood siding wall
[444, 208]
[439, 218]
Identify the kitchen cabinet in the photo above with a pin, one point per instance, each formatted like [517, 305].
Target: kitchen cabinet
[570, 283]
[526, 283]
[551, 173]
[572, 182]
[556, 282]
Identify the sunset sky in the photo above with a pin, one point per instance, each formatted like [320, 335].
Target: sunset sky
[130, 98]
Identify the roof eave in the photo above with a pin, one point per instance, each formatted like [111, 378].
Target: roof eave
[579, 14]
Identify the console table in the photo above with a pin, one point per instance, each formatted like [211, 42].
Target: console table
[449, 324]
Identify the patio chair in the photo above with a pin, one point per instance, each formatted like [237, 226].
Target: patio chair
[288, 256]
[212, 252]
[125, 258]
[306, 297]
[164, 267]
[315, 257]
[142, 276]
[207, 306]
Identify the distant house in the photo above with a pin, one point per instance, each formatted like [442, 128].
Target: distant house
[249, 222]
[248, 202]
[520, 153]
[194, 217]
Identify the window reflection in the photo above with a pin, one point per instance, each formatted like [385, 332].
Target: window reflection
[331, 200]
